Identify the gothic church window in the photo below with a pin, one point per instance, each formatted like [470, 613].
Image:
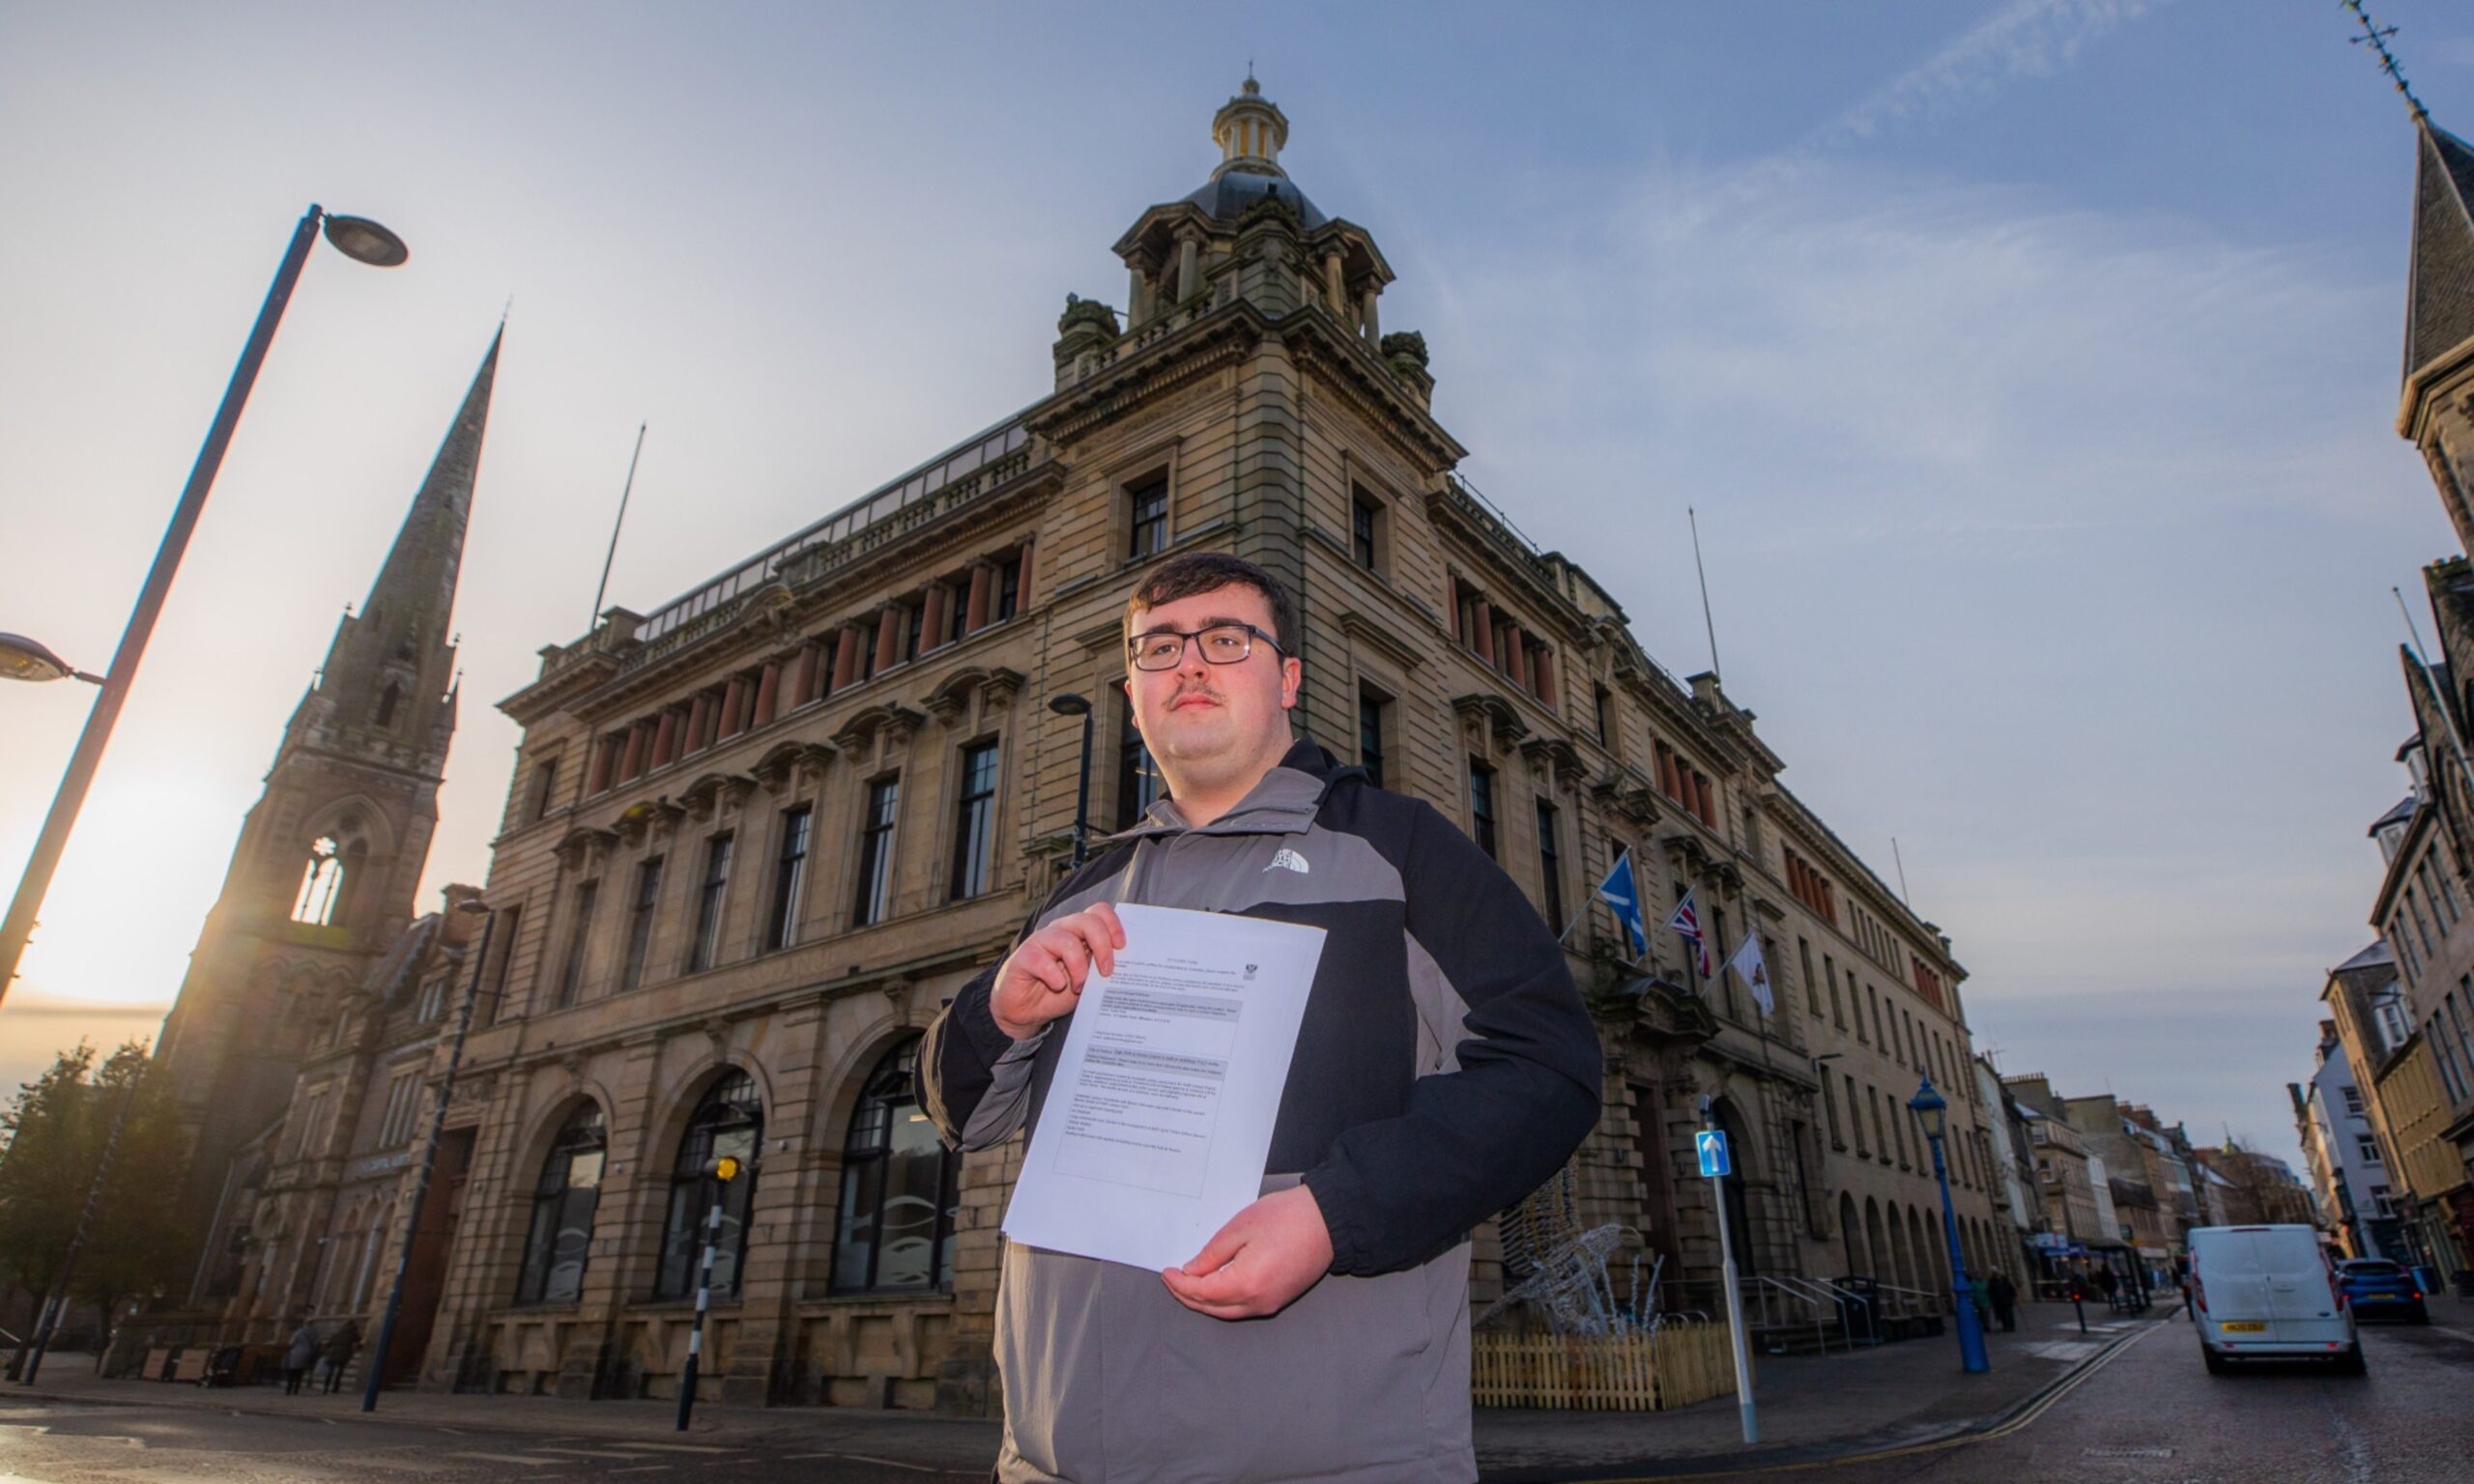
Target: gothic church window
[322, 884]
[389, 699]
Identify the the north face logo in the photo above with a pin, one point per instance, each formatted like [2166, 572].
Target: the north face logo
[1288, 860]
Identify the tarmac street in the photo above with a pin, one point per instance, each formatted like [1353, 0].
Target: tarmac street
[2126, 1403]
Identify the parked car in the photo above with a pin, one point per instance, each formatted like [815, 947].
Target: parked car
[2376, 1286]
[2269, 1293]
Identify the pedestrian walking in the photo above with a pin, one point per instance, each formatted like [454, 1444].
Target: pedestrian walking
[338, 1350]
[298, 1358]
[1980, 1294]
[2111, 1283]
[2004, 1295]
[1445, 1069]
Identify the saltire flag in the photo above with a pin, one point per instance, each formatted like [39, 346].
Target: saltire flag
[1755, 972]
[1686, 923]
[1618, 892]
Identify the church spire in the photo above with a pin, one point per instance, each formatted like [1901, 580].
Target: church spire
[416, 590]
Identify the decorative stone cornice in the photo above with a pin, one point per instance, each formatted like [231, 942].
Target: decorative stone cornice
[996, 686]
[895, 720]
[1499, 716]
[584, 845]
[1381, 638]
[713, 791]
[1629, 793]
[788, 766]
[1555, 754]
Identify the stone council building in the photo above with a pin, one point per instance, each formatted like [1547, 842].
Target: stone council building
[757, 835]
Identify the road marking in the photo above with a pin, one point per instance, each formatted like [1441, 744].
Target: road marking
[864, 1458]
[590, 1452]
[676, 1447]
[534, 1459]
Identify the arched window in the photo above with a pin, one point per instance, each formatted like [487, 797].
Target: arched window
[563, 1200]
[898, 1193]
[322, 884]
[728, 1122]
[387, 701]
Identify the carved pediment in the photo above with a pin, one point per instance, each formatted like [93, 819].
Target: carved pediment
[714, 792]
[792, 765]
[584, 846]
[996, 686]
[1483, 710]
[896, 721]
[1555, 754]
[655, 817]
[1685, 853]
[765, 609]
[1628, 793]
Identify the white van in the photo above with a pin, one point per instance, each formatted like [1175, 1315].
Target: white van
[2269, 1293]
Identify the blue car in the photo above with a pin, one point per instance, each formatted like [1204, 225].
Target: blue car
[2376, 1286]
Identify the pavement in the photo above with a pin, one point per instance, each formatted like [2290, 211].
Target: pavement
[1808, 1409]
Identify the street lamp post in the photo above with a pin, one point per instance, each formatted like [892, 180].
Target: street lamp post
[22, 658]
[1931, 1109]
[1067, 703]
[429, 1156]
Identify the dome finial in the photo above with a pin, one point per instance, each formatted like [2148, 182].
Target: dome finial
[1250, 131]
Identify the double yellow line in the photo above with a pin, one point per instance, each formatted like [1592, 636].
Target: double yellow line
[2036, 1408]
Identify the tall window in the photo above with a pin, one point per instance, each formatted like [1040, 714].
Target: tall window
[1598, 702]
[579, 939]
[545, 785]
[640, 923]
[1009, 590]
[387, 701]
[1369, 735]
[563, 1201]
[915, 620]
[1482, 805]
[322, 883]
[1138, 779]
[789, 880]
[709, 904]
[727, 1123]
[975, 822]
[876, 853]
[1148, 509]
[899, 1188]
[403, 1100]
[510, 925]
[1550, 862]
[1363, 513]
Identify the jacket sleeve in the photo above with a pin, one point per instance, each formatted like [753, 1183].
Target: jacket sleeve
[974, 1081]
[1525, 1092]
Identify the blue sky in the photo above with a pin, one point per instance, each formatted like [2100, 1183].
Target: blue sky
[2032, 368]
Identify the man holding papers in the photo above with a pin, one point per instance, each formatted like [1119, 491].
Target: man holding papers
[1376, 1011]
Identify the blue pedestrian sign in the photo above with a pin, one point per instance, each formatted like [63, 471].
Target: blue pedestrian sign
[1711, 1145]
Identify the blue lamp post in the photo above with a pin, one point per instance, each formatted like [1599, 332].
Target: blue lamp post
[1930, 1110]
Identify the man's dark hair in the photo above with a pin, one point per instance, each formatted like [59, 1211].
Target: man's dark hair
[1198, 572]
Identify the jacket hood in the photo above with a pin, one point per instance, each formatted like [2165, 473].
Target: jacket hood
[1285, 802]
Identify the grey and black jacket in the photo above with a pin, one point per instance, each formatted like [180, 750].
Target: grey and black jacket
[1446, 1067]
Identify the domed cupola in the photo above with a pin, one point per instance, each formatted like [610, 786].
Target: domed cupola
[1251, 132]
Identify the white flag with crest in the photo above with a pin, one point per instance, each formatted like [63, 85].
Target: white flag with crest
[1755, 972]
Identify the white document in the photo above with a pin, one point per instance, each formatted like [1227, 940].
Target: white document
[1158, 1122]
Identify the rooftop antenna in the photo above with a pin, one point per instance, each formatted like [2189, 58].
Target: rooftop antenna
[1690, 515]
[626, 490]
[1902, 874]
[2376, 37]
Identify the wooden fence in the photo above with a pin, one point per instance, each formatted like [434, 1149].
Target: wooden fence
[1675, 1366]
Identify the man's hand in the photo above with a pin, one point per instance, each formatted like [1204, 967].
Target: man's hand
[1043, 979]
[1267, 1255]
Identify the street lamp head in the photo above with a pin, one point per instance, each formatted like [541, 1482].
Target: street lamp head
[364, 240]
[1067, 703]
[23, 659]
[1930, 1109]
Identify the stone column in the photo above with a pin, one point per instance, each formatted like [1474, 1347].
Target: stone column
[975, 616]
[599, 778]
[1336, 296]
[1022, 583]
[1369, 325]
[845, 657]
[803, 679]
[665, 737]
[633, 763]
[888, 637]
[735, 707]
[932, 624]
[1516, 657]
[1137, 293]
[768, 692]
[1482, 617]
[1546, 676]
[700, 717]
[1189, 265]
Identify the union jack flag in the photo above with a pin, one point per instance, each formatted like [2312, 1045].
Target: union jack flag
[1686, 923]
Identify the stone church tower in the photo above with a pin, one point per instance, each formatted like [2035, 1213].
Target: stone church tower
[322, 878]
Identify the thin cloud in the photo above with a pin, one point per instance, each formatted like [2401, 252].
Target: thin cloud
[2023, 39]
